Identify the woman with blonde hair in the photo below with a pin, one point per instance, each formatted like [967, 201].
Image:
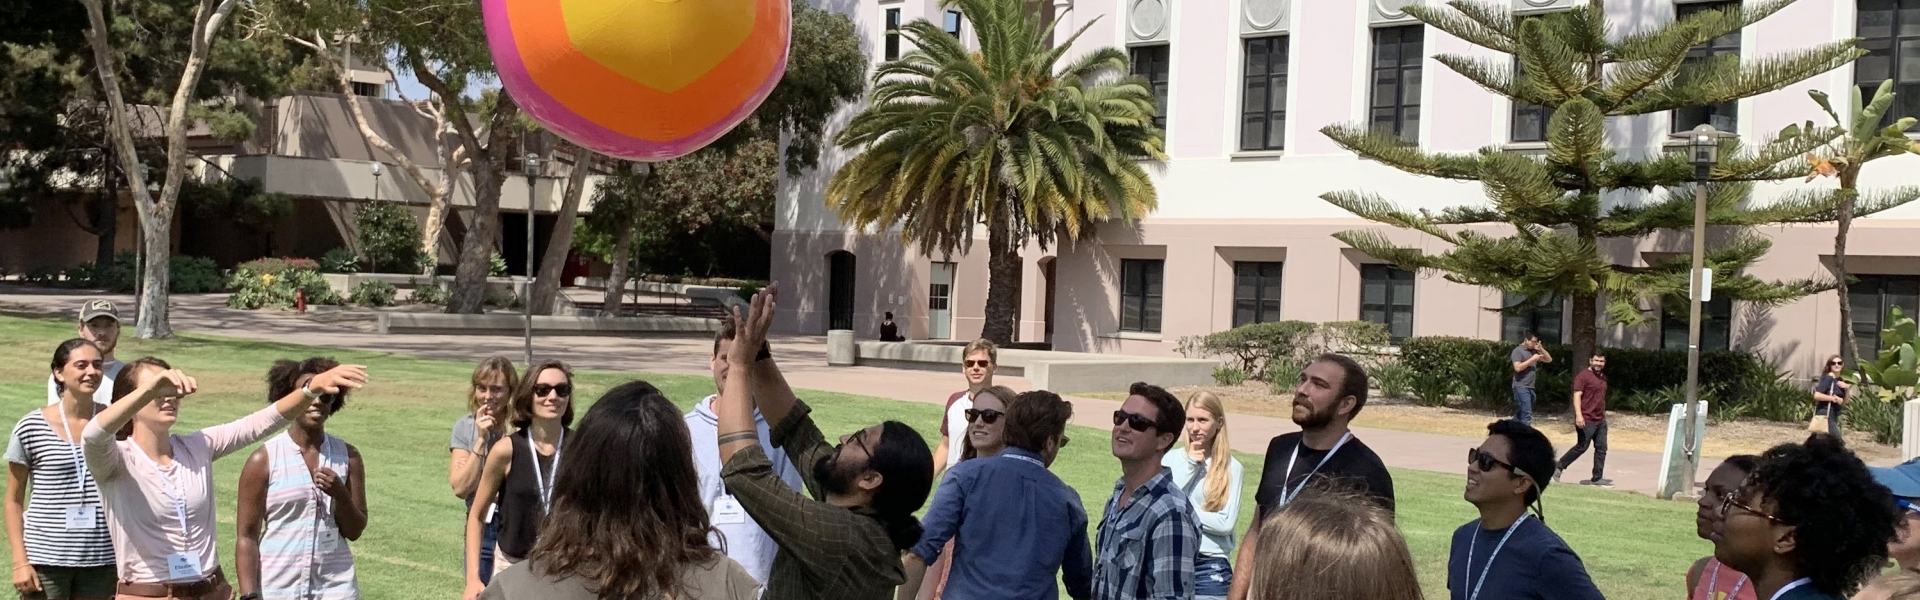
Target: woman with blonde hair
[1211, 477]
[474, 435]
[519, 474]
[1333, 545]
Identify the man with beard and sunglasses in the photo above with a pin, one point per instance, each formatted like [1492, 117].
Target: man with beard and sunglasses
[1325, 453]
[1149, 535]
[843, 542]
[1509, 554]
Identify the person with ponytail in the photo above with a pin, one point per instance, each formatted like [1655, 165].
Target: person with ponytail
[59, 537]
[845, 541]
[1211, 478]
[1509, 553]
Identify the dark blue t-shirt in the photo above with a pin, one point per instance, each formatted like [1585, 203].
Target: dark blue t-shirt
[1535, 565]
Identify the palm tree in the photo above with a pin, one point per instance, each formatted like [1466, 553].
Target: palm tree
[1004, 136]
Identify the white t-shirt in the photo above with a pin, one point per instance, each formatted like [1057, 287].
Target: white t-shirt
[745, 542]
[110, 369]
[957, 429]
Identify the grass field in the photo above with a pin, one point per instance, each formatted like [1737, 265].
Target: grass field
[1635, 547]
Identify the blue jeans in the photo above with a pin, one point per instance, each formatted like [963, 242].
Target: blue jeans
[1212, 576]
[1523, 405]
[489, 537]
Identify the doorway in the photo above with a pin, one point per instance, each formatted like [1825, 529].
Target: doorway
[1046, 277]
[940, 301]
[840, 265]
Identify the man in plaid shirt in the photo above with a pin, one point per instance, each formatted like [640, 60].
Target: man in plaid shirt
[1149, 536]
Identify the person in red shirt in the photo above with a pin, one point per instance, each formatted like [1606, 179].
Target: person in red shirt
[1590, 416]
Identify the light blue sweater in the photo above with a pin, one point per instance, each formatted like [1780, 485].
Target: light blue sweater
[1216, 528]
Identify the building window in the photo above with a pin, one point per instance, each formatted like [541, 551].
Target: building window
[371, 90]
[1263, 100]
[1529, 119]
[954, 21]
[1716, 325]
[1386, 297]
[1518, 319]
[1045, 11]
[1140, 295]
[1397, 55]
[1256, 292]
[1871, 299]
[1151, 62]
[1723, 116]
[893, 34]
[1890, 33]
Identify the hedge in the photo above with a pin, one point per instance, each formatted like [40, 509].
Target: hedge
[1480, 370]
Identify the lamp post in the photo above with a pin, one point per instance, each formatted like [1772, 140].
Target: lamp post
[532, 168]
[377, 171]
[1703, 151]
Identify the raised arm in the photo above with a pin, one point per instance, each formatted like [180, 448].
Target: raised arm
[751, 381]
[231, 437]
[251, 520]
[498, 461]
[463, 467]
[154, 384]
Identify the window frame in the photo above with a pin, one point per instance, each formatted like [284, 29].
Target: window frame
[1261, 304]
[1728, 44]
[890, 45]
[1150, 270]
[1716, 326]
[955, 24]
[1391, 275]
[1869, 336]
[1531, 319]
[1407, 67]
[1907, 100]
[1538, 136]
[1274, 108]
[1158, 71]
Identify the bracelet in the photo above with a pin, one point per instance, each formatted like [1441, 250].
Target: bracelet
[308, 391]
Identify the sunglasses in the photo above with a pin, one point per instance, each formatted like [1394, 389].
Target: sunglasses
[987, 415]
[1833, 363]
[564, 390]
[1732, 501]
[977, 363]
[1486, 462]
[1905, 505]
[1133, 421]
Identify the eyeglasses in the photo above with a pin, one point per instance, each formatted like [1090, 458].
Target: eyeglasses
[977, 363]
[1486, 461]
[564, 390]
[1833, 363]
[1064, 440]
[1133, 421]
[1731, 501]
[986, 415]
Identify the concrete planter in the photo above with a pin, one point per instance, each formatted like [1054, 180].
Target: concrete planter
[840, 348]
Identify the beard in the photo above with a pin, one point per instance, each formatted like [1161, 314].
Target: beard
[832, 479]
[1317, 417]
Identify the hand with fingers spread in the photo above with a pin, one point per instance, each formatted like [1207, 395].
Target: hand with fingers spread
[165, 383]
[750, 334]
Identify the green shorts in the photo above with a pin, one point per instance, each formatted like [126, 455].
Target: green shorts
[61, 583]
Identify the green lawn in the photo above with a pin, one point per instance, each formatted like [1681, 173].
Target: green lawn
[1634, 546]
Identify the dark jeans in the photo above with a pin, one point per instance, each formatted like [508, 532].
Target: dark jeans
[488, 539]
[1212, 576]
[1594, 432]
[1832, 411]
[1523, 405]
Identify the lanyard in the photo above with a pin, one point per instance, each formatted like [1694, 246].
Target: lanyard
[539, 478]
[1285, 496]
[1789, 587]
[79, 457]
[1034, 461]
[177, 495]
[1713, 585]
[1488, 568]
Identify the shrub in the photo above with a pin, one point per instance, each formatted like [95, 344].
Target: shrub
[42, 275]
[389, 239]
[254, 290]
[1353, 337]
[429, 293]
[373, 293]
[274, 266]
[186, 275]
[1777, 400]
[1281, 377]
[496, 266]
[339, 260]
[1256, 347]
[1873, 415]
[194, 275]
[1395, 379]
[1229, 376]
[1434, 392]
[1483, 372]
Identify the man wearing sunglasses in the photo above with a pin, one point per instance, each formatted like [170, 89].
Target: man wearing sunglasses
[745, 542]
[1509, 554]
[1332, 390]
[1017, 523]
[977, 363]
[1149, 535]
[1904, 482]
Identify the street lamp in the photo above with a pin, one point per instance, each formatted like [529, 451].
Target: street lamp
[1703, 151]
[375, 168]
[532, 169]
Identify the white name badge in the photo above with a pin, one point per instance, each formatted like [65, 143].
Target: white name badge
[183, 567]
[727, 511]
[81, 518]
[491, 511]
[327, 539]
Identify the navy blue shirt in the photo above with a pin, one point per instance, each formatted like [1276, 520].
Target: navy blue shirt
[1534, 565]
[1017, 524]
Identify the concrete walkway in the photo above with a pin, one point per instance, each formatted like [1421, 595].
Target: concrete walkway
[802, 358]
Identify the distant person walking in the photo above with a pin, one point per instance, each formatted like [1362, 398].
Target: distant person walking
[1709, 579]
[58, 533]
[1211, 478]
[303, 496]
[1509, 553]
[734, 530]
[99, 323]
[1149, 536]
[474, 435]
[977, 363]
[1332, 544]
[1810, 523]
[1830, 394]
[1589, 420]
[518, 479]
[1526, 359]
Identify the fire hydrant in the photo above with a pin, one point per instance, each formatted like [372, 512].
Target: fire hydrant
[300, 301]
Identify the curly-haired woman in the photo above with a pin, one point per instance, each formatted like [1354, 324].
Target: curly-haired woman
[1810, 523]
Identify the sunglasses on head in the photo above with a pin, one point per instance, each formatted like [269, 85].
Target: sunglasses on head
[1133, 421]
[978, 363]
[1486, 462]
[564, 390]
[986, 415]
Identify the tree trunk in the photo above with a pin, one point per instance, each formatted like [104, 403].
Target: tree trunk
[1003, 276]
[623, 247]
[546, 289]
[1585, 329]
[489, 173]
[105, 207]
[1849, 178]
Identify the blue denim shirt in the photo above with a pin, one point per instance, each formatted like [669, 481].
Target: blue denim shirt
[1017, 524]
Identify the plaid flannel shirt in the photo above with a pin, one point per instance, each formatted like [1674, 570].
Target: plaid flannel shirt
[1146, 551]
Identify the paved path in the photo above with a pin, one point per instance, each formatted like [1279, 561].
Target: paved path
[802, 358]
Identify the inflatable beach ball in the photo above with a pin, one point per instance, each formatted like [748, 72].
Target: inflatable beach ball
[639, 79]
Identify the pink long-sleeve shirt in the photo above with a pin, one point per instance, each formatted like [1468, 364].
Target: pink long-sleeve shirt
[141, 517]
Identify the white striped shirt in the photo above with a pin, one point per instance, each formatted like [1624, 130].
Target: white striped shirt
[57, 483]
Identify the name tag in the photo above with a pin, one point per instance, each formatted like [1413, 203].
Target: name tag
[183, 567]
[492, 510]
[327, 539]
[727, 511]
[80, 518]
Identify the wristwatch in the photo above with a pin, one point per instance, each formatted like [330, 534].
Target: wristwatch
[249, 596]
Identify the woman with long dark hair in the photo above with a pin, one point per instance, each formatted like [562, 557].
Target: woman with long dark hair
[519, 475]
[1830, 394]
[627, 521]
[303, 496]
[59, 537]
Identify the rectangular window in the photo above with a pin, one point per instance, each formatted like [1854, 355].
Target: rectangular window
[1386, 297]
[1256, 292]
[1871, 299]
[893, 34]
[1529, 120]
[1397, 55]
[1045, 11]
[1542, 319]
[1140, 295]
[1716, 326]
[1890, 33]
[1263, 99]
[1151, 62]
[371, 90]
[953, 24]
[1723, 116]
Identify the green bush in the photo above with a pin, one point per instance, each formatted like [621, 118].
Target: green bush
[428, 293]
[1257, 347]
[496, 266]
[1485, 375]
[1394, 378]
[186, 275]
[1282, 377]
[373, 293]
[41, 275]
[1779, 400]
[254, 290]
[1353, 337]
[1873, 415]
[389, 238]
[194, 275]
[1229, 376]
[274, 266]
[339, 260]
